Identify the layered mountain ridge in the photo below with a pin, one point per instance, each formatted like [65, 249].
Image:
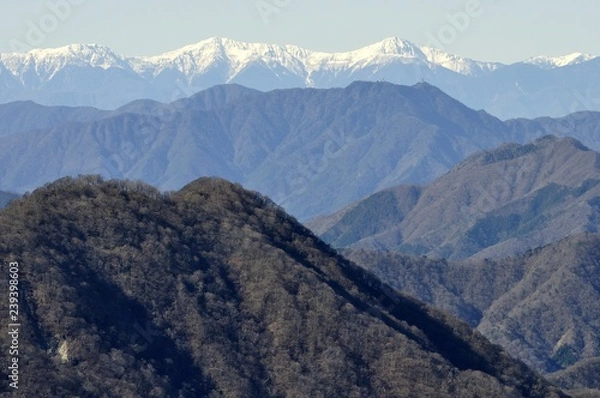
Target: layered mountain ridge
[293, 145]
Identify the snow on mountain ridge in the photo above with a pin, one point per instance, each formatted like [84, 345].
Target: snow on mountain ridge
[393, 46]
[561, 61]
[45, 63]
[80, 54]
[235, 55]
[464, 66]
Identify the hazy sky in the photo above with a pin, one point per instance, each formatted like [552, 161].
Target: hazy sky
[494, 30]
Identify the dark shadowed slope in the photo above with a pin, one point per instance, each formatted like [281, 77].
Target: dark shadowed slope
[494, 204]
[542, 306]
[214, 291]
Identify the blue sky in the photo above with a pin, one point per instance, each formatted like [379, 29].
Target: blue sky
[494, 30]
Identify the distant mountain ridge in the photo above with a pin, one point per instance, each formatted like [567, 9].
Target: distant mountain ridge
[94, 75]
[293, 145]
[494, 204]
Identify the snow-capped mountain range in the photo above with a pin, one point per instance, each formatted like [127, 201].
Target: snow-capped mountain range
[94, 75]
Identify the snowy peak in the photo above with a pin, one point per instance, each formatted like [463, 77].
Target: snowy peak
[186, 59]
[395, 46]
[214, 46]
[559, 62]
[232, 55]
[81, 54]
[45, 63]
